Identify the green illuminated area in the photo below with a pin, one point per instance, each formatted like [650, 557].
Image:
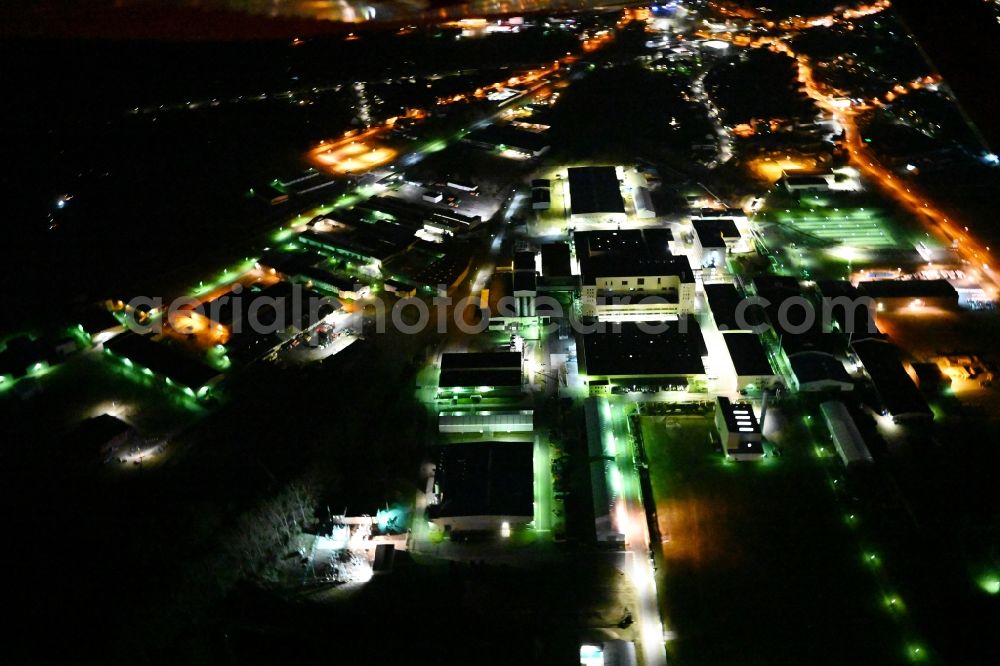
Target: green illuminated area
[990, 583]
[832, 234]
[860, 227]
[78, 334]
[739, 537]
[224, 277]
[217, 358]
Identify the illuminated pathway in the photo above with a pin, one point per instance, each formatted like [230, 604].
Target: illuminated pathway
[632, 522]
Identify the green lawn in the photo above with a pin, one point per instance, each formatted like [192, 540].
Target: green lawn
[759, 565]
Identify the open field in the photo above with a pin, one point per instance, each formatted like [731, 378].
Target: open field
[758, 559]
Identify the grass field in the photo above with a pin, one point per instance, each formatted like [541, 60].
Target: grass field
[759, 565]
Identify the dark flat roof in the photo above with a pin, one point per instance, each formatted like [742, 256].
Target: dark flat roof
[811, 367]
[267, 305]
[632, 252]
[378, 241]
[776, 287]
[524, 261]
[326, 277]
[97, 431]
[715, 232]
[480, 369]
[611, 266]
[595, 189]
[636, 243]
[813, 341]
[525, 281]
[723, 300]
[748, 355]
[476, 378]
[897, 391]
[481, 361]
[908, 289]
[484, 479]
[162, 359]
[556, 260]
[512, 137]
[862, 317]
[289, 263]
[246, 348]
[835, 288]
[632, 352]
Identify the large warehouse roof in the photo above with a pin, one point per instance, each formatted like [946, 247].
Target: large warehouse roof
[486, 421]
[628, 253]
[163, 359]
[897, 391]
[908, 289]
[484, 479]
[492, 369]
[481, 361]
[846, 436]
[626, 350]
[724, 300]
[715, 232]
[748, 355]
[595, 190]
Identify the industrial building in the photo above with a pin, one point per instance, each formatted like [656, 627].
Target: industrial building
[892, 295]
[432, 267]
[595, 195]
[482, 486]
[369, 246]
[605, 493]
[750, 361]
[846, 437]
[900, 397]
[508, 301]
[852, 311]
[286, 264]
[799, 183]
[818, 371]
[738, 430]
[141, 353]
[732, 311]
[331, 283]
[714, 240]
[632, 275]
[258, 321]
[95, 438]
[735, 215]
[508, 138]
[556, 261]
[630, 356]
[486, 423]
[494, 373]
